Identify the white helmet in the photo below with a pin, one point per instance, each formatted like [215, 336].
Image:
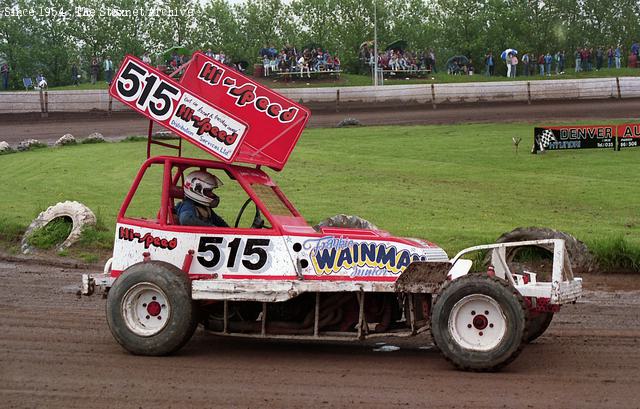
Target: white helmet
[199, 185]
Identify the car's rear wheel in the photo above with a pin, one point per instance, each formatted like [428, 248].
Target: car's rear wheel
[150, 310]
[479, 322]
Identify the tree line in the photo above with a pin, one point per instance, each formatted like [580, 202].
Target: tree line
[48, 36]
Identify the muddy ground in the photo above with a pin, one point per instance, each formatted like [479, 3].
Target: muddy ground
[15, 128]
[56, 352]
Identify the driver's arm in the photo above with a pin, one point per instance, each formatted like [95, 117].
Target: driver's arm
[217, 220]
[190, 218]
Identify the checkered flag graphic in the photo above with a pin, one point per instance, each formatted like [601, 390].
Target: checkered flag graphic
[545, 138]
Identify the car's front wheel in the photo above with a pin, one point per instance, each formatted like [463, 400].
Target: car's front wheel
[150, 310]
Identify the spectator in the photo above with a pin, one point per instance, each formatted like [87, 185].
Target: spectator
[584, 55]
[557, 59]
[283, 62]
[95, 68]
[4, 72]
[329, 62]
[561, 61]
[547, 63]
[618, 55]
[209, 53]
[590, 53]
[610, 57]
[508, 62]
[635, 48]
[319, 61]
[514, 65]
[578, 57]
[489, 63]
[266, 65]
[432, 58]
[108, 70]
[541, 63]
[393, 62]
[599, 58]
[74, 74]
[41, 81]
[146, 59]
[303, 63]
[525, 64]
[336, 63]
[533, 64]
[633, 60]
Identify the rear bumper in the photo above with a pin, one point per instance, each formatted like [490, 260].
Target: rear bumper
[558, 293]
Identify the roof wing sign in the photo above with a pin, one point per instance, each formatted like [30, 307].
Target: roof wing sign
[216, 108]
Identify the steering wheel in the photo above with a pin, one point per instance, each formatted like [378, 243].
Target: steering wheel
[258, 222]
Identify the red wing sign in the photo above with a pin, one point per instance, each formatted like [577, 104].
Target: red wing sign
[216, 108]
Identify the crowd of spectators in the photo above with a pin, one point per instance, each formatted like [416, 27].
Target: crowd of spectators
[291, 60]
[587, 58]
[398, 59]
[545, 64]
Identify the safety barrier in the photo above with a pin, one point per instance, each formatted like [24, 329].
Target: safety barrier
[431, 94]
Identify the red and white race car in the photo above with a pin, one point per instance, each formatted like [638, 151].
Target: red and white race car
[272, 275]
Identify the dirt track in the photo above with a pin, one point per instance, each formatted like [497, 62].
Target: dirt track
[56, 351]
[15, 128]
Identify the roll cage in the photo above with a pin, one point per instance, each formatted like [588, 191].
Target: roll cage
[260, 188]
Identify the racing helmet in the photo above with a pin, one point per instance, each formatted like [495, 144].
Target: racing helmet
[199, 185]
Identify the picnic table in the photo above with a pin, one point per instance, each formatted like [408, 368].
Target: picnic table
[288, 75]
[405, 73]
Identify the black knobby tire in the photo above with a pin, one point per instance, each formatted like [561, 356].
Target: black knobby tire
[348, 221]
[175, 318]
[456, 326]
[582, 260]
[537, 325]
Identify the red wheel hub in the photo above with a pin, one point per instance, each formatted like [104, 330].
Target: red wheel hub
[154, 308]
[480, 322]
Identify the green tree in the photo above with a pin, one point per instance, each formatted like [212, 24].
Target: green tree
[264, 22]
[218, 28]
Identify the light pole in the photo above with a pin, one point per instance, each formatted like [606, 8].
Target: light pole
[375, 43]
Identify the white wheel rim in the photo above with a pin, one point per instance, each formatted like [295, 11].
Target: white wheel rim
[477, 322]
[145, 309]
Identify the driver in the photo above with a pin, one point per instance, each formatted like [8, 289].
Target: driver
[199, 201]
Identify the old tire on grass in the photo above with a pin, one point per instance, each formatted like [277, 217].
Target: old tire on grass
[80, 215]
[150, 310]
[537, 325]
[581, 259]
[479, 322]
[348, 221]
